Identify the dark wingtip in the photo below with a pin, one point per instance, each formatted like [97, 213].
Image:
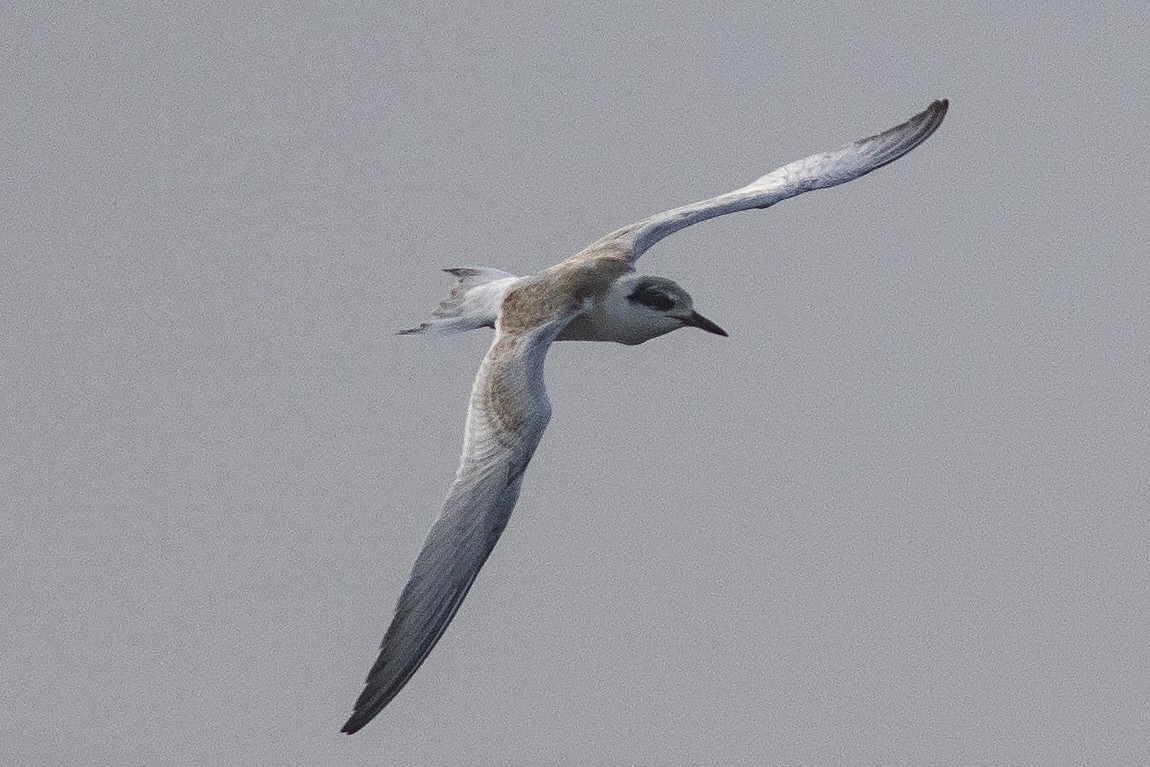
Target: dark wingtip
[937, 111]
[928, 120]
[940, 106]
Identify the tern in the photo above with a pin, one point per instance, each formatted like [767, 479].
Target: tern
[595, 295]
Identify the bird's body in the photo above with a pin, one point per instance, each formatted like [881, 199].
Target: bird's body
[595, 295]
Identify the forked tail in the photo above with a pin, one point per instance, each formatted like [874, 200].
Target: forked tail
[472, 303]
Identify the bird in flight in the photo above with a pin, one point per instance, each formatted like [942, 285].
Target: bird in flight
[595, 295]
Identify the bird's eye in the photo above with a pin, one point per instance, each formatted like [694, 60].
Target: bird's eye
[652, 297]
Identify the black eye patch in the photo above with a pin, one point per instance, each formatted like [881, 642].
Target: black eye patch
[649, 295]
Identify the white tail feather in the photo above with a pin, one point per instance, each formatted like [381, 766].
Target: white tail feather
[473, 302]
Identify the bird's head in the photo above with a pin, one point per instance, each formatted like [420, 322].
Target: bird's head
[644, 307]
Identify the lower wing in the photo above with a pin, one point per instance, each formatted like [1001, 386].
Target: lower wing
[506, 417]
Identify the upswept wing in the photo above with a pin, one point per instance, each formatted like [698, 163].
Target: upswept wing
[818, 171]
[506, 417]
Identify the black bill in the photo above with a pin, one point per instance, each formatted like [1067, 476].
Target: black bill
[697, 320]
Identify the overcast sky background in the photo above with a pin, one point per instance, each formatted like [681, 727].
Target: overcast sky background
[898, 517]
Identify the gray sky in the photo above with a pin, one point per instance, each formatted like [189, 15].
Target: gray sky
[899, 517]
